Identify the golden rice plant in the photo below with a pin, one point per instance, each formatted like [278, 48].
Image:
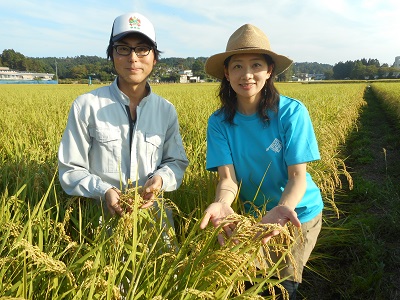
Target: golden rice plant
[136, 256]
[28, 149]
[54, 246]
[334, 109]
[389, 95]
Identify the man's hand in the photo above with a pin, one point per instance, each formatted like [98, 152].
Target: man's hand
[112, 201]
[150, 189]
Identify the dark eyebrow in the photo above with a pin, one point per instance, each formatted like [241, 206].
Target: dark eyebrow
[252, 59]
[140, 43]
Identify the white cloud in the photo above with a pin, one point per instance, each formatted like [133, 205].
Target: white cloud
[310, 30]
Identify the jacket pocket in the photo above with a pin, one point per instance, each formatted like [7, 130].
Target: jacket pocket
[154, 149]
[105, 154]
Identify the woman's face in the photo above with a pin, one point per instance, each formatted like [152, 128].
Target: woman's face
[247, 74]
[131, 69]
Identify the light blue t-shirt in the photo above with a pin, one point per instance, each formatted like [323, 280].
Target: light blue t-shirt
[257, 149]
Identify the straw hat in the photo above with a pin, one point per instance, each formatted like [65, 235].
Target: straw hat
[247, 39]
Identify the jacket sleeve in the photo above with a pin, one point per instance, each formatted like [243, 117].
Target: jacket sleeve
[73, 159]
[174, 161]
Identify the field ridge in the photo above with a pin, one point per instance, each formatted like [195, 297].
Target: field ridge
[366, 264]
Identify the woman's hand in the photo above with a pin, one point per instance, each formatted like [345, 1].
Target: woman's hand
[280, 214]
[216, 213]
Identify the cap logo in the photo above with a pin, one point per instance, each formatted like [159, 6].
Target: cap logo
[134, 23]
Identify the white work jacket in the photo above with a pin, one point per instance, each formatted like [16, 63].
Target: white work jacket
[98, 152]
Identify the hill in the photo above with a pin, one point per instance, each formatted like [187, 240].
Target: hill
[167, 69]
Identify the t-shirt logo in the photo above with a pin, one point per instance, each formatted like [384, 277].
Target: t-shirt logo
[275, 146]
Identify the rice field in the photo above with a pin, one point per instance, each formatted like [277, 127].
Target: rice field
[57, 247]
[389, 94]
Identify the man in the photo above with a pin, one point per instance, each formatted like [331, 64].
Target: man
[123, 131]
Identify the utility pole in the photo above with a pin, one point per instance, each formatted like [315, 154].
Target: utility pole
[90, 78]
[56, 70]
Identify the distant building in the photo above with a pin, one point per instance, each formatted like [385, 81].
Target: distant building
[397, 62]
[7, 74]
[186, 76]
[308, 77]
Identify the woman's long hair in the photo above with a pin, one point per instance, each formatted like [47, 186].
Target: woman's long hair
[269, 101]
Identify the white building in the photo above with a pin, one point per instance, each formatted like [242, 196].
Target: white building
[186, 76]
[7, 74]
[397, 62]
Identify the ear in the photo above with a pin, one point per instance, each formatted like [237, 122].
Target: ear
[226, 73]
[270, 69]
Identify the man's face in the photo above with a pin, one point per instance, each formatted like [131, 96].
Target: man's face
[133, 68]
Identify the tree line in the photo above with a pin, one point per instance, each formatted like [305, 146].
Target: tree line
[82, 67]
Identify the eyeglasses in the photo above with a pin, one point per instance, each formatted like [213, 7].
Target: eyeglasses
[140, 51]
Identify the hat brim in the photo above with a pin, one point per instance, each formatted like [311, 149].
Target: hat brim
[214, 65]
[124, 34]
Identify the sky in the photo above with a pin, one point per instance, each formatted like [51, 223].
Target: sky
[323, 31]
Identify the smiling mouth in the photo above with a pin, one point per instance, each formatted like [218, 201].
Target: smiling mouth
[248, 84]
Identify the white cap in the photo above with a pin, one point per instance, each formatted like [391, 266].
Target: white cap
[132, 23]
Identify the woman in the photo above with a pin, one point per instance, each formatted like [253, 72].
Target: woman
[262, 140]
